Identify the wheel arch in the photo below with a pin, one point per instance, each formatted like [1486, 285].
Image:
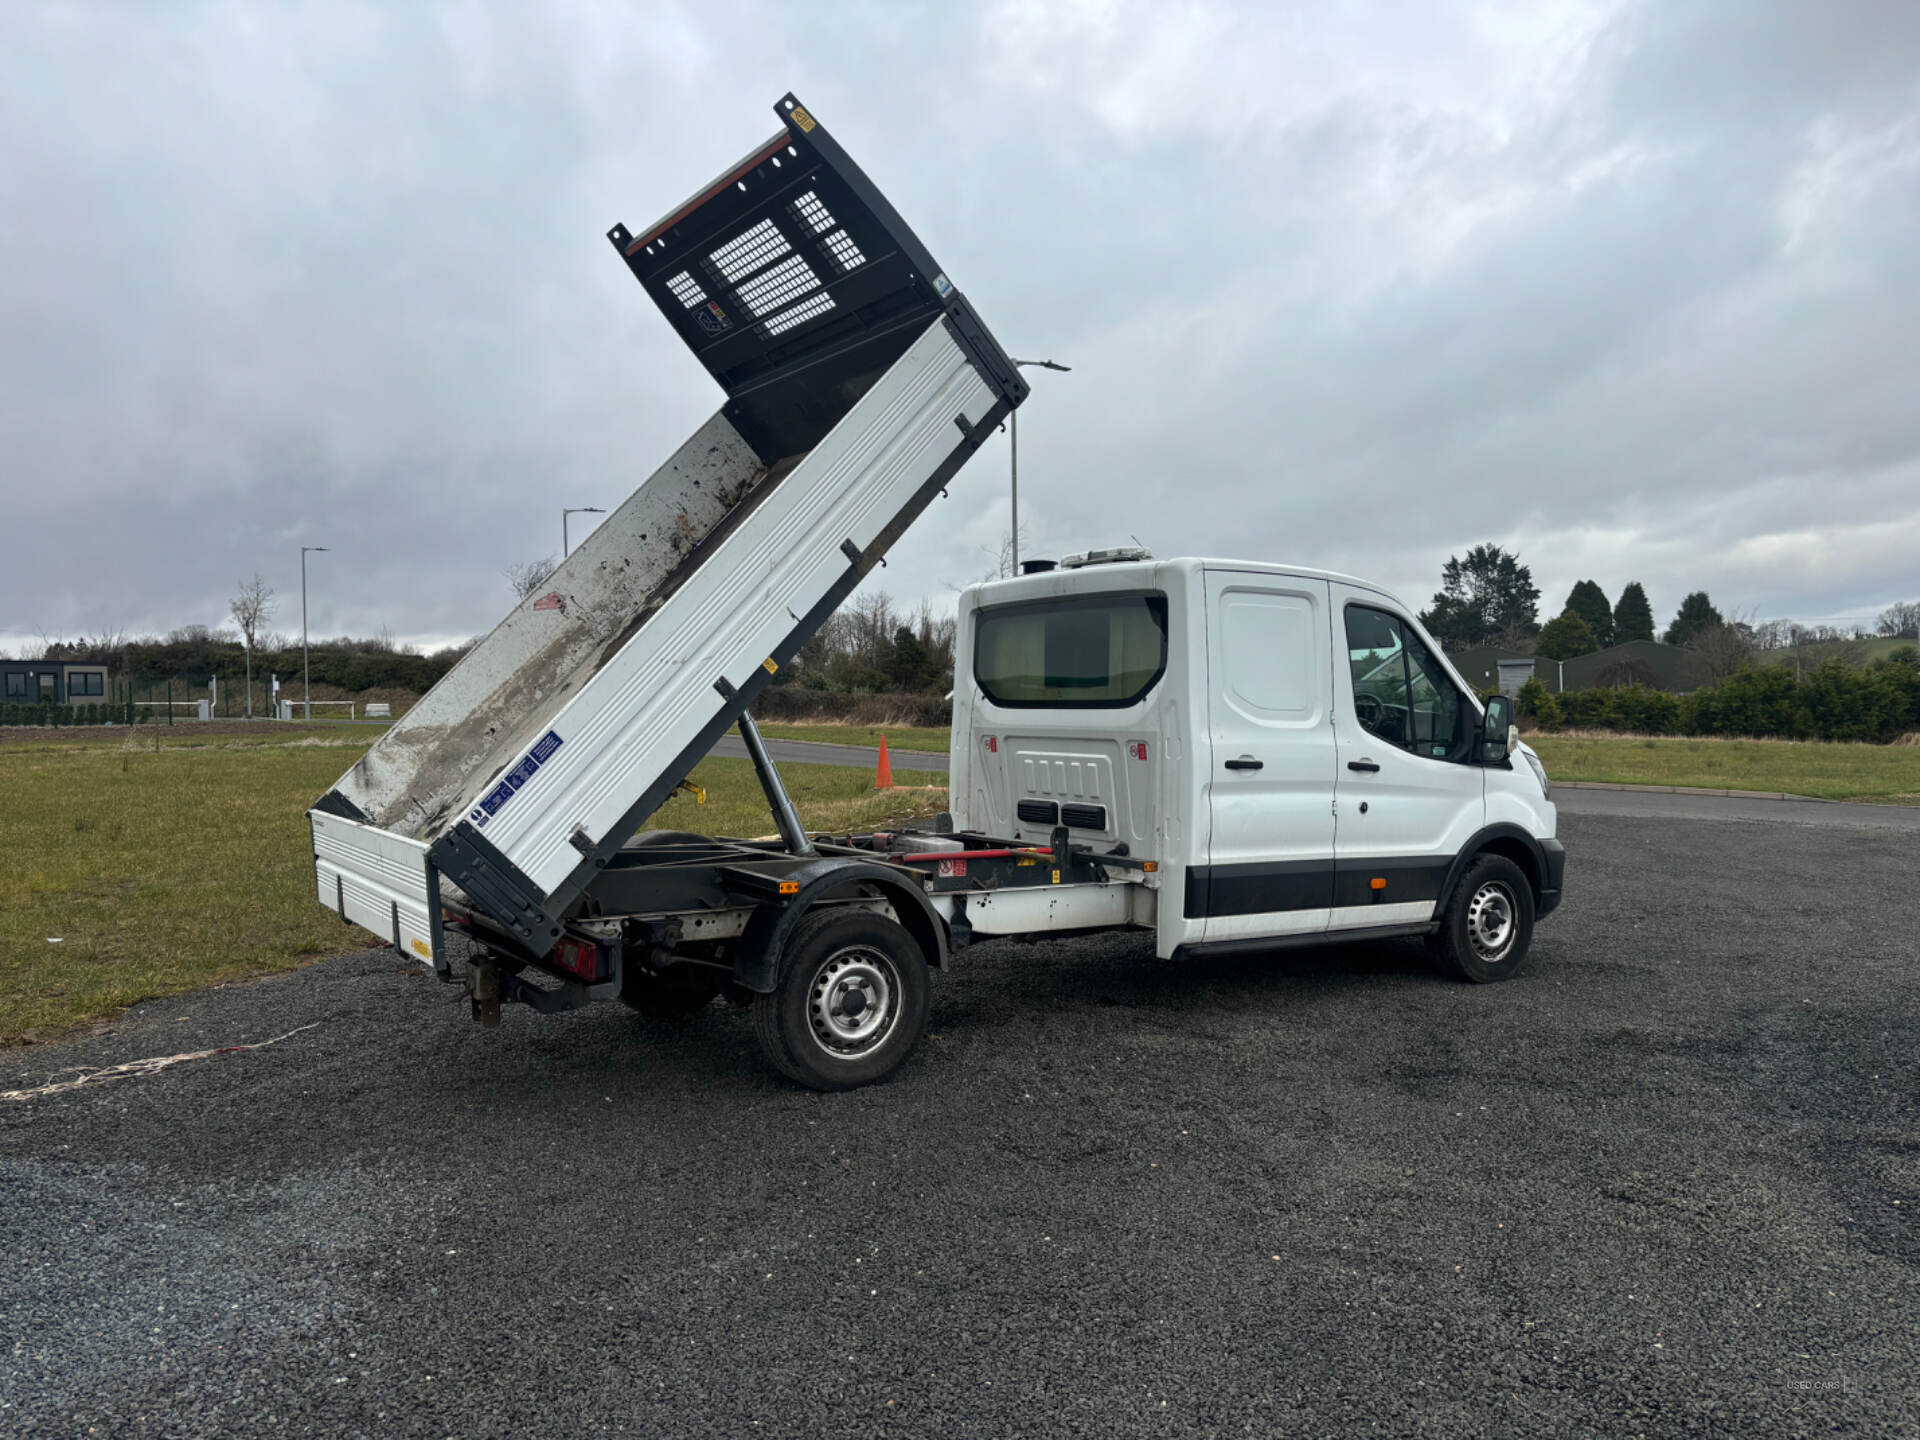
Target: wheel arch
[757, 961]
[1506, 840]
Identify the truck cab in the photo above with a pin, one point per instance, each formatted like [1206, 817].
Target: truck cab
[1287, 745]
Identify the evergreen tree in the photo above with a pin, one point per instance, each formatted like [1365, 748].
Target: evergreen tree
[1632, 615]
[1488, 592]
[910, 668]
[1696, 614]
[1589, 602]
[1566, 636]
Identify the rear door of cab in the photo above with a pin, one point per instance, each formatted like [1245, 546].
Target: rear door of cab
[1270, 786]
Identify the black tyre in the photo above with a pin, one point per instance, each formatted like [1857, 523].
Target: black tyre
[1488, 926]
[673, 993]
[849, 1003]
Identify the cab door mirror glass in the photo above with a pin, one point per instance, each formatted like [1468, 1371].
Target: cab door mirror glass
[1496, 728]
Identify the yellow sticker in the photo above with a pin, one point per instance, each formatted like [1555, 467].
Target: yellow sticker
[1056, 877]
[768, 665]
[801, 118]
[420, 947]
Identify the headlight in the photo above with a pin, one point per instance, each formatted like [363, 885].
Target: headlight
[1540, 771]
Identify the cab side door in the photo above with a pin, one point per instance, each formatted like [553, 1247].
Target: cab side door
[1409, 793]
[1270, 786]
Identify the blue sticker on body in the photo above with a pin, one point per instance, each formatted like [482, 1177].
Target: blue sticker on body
[515, 779]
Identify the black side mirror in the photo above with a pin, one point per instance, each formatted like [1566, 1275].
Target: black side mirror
[1496, 730]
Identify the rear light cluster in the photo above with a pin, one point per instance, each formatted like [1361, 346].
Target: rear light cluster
[577, 957]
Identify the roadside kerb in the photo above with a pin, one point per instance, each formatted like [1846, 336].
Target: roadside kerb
[1691, 790]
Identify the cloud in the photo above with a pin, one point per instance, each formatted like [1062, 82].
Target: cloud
[1629, 286]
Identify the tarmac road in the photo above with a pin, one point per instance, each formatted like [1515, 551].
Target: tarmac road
[795, 752]
[1662, 1185]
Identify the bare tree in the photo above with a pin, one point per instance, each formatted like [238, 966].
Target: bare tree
[252, 608]
[873, 622]
[529, 575]
[1003, 556]
[936, 636]
[1722, 648]
[1901, 621]
[108, 648]
[1519, 639]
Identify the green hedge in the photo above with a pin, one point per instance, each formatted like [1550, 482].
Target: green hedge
[1834, 702]
[87, 714]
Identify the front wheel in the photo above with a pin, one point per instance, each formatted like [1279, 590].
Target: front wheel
[849, 1002]
[1488, 925]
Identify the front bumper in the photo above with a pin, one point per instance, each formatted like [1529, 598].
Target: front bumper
[1554, 855]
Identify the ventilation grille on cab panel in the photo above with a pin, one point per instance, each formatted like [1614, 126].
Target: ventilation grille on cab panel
[1038, 812]
[1084, 817]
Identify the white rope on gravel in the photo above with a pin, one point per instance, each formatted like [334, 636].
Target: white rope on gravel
[151, 1066]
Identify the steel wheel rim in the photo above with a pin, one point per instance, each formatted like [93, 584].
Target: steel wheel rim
[1492, 921]
[853, 1003]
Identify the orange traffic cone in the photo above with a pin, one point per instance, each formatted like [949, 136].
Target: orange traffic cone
[883, 774]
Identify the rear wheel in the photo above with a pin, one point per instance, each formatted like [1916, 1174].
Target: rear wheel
[849, 1002]
[1487, 929]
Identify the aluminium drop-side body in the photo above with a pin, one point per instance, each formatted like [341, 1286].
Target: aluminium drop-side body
[858, 382]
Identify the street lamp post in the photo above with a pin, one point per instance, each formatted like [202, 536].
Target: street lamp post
[1013, 439]
[574, 510]
[306, 668]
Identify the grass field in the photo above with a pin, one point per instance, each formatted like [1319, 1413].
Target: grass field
[1854, 652]
[132, 872]
[1830, 771]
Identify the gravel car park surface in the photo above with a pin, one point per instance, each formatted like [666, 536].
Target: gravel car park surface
[1663, 1185]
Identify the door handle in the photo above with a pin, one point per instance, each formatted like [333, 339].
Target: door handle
[1366, 765]
[1245, 762]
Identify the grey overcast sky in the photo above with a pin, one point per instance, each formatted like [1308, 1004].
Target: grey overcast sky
[1631, 288]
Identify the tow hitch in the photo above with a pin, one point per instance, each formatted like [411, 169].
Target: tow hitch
[588, 969]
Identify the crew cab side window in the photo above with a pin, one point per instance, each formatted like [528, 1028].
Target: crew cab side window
[1401, 692]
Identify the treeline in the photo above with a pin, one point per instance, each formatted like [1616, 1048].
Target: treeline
[1835, 701]
[1488, 597]
[867, 647]
[190, 656]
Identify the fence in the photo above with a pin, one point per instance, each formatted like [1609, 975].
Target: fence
[165, 702]
[138, 702]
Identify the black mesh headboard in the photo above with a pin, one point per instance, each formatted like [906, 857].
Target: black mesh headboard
[796, 284]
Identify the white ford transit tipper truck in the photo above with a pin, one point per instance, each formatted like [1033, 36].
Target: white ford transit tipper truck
[1225, 754]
